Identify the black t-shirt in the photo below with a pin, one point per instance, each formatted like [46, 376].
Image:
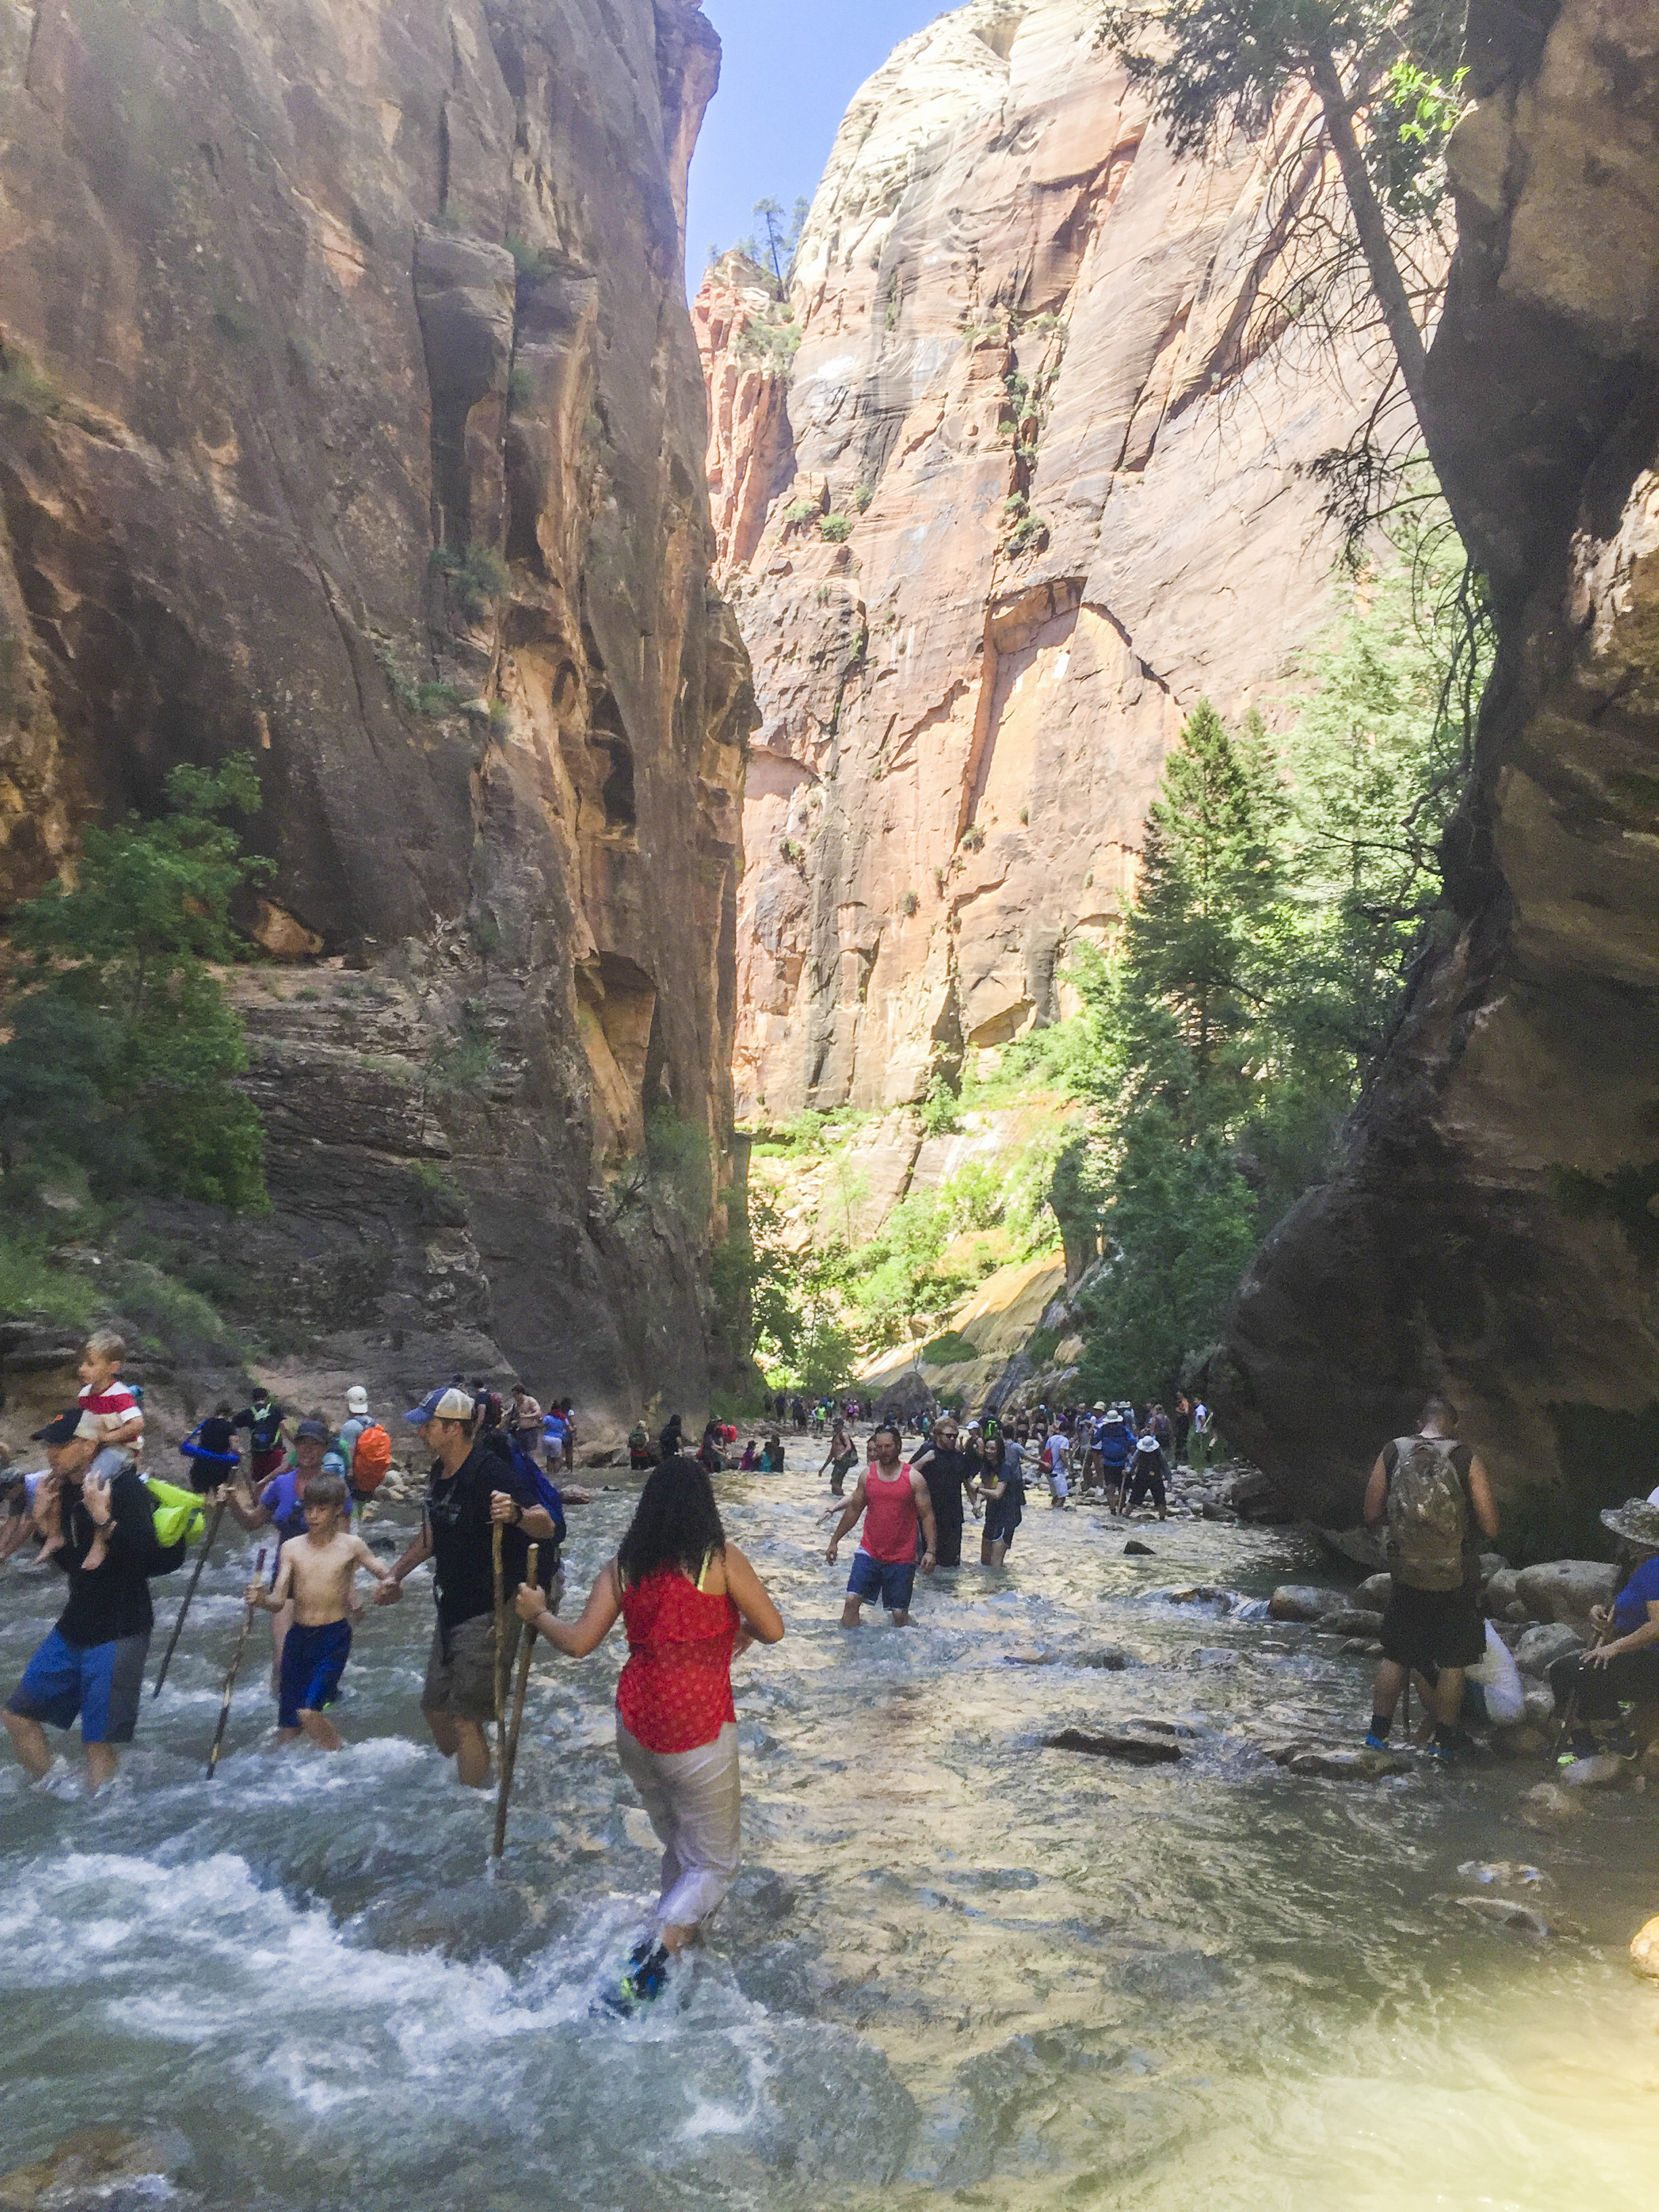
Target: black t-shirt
[114, 1600]
[264, 1424]
[944, 1473]
[457, 1513]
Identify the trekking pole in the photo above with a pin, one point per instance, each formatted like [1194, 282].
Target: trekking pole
[510, 1755]
[201, 1561]
[1572, 1711]
[500, 1639]
[230, 1679]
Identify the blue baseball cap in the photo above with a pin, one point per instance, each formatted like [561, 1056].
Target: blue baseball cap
[446, 1403]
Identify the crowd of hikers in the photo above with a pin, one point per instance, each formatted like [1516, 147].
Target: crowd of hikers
[493, 1525]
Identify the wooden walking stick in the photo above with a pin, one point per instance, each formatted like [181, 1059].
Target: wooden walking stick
[500, 1639]
[510, 1754]
[201, 1561]
[1570, 1714]
[230, 1679]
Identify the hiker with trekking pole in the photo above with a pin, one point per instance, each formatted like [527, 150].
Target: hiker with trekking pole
[473, 1492]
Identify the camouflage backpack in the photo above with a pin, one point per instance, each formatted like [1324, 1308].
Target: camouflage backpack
[1428, 1515]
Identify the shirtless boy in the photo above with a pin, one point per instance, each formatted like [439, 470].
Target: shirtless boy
[316, 1572]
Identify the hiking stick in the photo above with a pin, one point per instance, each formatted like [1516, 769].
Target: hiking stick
[230, 1679]
[201, 1561]
[1572, 1712]
[510, 1755]
[500, 1639]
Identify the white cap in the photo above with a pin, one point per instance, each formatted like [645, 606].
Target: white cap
[357, 1399]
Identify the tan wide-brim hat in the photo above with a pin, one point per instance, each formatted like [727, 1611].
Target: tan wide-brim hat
[1636, 1521]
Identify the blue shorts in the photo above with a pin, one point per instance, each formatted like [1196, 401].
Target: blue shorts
[891, 1581]
[99, 1682]
[314, 1660]
[1002, 1517]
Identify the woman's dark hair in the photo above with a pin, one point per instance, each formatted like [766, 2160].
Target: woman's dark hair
[675, 1523]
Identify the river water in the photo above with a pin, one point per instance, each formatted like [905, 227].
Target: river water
[954, 1961]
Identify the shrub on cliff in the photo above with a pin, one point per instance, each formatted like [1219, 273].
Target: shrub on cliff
[120, 1063]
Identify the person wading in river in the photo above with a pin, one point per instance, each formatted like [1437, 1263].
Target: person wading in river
[91, 1664]
[1434, 1496]
[689, 1602]
[891, 1499]
[947, 1471]
[471, 1488]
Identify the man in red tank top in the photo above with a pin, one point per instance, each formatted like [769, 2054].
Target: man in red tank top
[892, 1498]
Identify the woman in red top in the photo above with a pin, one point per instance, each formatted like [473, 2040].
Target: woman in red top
[691, 1602]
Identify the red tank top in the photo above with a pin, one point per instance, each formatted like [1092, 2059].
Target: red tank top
[675, 1691]
[889, 1518]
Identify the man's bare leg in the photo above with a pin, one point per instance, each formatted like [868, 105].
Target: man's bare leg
[321, 1730]
[101, 1759]
[901, 1620]
[852, 1614]
[1390, 1681]
[28, 1741]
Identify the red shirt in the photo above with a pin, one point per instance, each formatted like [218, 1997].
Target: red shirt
[675, 1691]
[889, 1518]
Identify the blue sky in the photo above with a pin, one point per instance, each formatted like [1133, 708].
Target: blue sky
[790, 67]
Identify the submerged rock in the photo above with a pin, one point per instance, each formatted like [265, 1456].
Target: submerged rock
[1133, 1750]
[1526, 1919]
[1504, 1874]
[1524, 1741]
[1113, 1658]
[88, 2167]
[1547, 1805]
[1360, 1766]
[1135, 1549]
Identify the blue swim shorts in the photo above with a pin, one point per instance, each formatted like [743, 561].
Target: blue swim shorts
[102, 1682]
[889, 1581]
[314, 1660]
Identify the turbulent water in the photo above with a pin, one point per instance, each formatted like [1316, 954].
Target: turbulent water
[954, 1961]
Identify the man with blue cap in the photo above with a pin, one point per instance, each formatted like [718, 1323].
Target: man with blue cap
[471, 1490]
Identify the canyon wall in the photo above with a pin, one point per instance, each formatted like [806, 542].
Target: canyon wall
[1494, 1225]
[350, 416]
[1034, 484]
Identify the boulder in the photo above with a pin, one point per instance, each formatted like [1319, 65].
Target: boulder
[1375, 1591]
[1133, 1750]
[1112, 1659]
[1365, 1548]
[1538, 1650]
[1541, 1702]
[1644, 1949]
[1303, 1601]
[1133, 1550]
[1352, 1620]
[1500, 1591]
[1565, 1590]
[1491, 1563]
[1603, 1771]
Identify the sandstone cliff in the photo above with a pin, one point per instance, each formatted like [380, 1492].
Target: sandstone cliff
[1033, 486]
[1494, 1225]
[349, 414]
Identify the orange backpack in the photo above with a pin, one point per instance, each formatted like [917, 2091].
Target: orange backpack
[371, 1458]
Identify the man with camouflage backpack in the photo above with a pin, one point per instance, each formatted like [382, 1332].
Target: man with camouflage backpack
[1434, 1496]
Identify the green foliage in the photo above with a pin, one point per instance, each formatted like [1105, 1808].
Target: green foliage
[800, 511]
[23, 386]
[32, 1283]
[951, 1350]
[123, 1051]
[478, 576]
[1031, 534]
[863, 496]
[774, 338]
[972, 838]
[837, 528]
[1259, 972]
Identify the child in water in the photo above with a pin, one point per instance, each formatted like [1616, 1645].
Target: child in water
[317, 1571]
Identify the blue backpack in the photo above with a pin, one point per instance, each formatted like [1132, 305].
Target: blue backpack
[547, 1493]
